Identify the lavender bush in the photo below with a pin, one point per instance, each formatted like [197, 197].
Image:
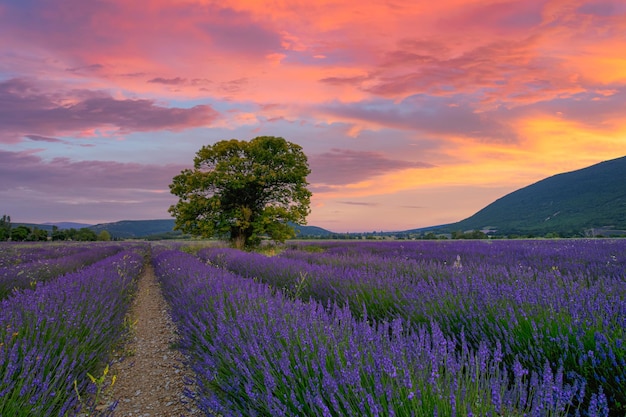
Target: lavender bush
[12, 253]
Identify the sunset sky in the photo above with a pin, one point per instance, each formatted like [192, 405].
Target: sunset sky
[412, 113]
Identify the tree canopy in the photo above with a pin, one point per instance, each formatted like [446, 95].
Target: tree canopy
[243, 190]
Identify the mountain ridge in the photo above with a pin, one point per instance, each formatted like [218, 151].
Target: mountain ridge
[569, 203]
[127, 229]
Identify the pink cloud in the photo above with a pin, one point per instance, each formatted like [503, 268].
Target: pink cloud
[495, 65]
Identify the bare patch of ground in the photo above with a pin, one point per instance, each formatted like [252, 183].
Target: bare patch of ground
[149, 371]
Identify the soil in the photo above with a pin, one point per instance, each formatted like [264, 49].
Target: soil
[150, 372]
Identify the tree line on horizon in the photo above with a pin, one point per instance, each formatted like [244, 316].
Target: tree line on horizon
[23, 233]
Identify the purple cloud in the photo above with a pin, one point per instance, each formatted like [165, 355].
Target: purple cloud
[358, 203]
[168, 81]
[600, 8]
[432, 71]
[27, 109]
[62, 175]
[488, 71]
[594, 109]
[358, 80]
[83, 190]
[86, 68]
[504, 16]
[37, 138]
[233, 86]
[345, 166]
[63, 25]
[430, 114]
[237, 32]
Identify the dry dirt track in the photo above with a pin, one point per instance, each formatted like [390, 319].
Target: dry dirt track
[150, 378]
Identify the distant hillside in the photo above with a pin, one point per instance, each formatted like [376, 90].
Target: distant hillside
[310, 231]
[67, 225]
[128, 229]
[570, 204]
[46, 227]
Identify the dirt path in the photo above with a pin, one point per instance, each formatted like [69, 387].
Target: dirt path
[150, 378]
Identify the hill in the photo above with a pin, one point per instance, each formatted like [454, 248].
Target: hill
[128, 229]
[311, 231]
[588, 201]
[67, 225]
[164, 228]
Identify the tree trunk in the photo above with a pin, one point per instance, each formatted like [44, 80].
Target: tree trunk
[239, 237]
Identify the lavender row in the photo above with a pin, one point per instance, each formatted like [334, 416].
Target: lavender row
[593, 257]
[536, 316]
[12, 253]
[51, 337]
[28, 275]
[585, 294]
[257, 352]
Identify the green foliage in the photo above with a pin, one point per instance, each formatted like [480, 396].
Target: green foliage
[243, 191]
[474, 234]
[38, 235]
[104, 235]
[5, 227]
[84, 234]
[20, 233]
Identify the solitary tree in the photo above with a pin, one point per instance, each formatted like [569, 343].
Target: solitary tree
[243, 191]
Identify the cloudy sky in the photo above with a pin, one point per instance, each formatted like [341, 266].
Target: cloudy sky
[412, 112]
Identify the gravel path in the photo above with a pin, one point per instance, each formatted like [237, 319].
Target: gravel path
[150, 373]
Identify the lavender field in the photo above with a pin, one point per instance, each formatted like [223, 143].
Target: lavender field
[402, 328]
[448, 328]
